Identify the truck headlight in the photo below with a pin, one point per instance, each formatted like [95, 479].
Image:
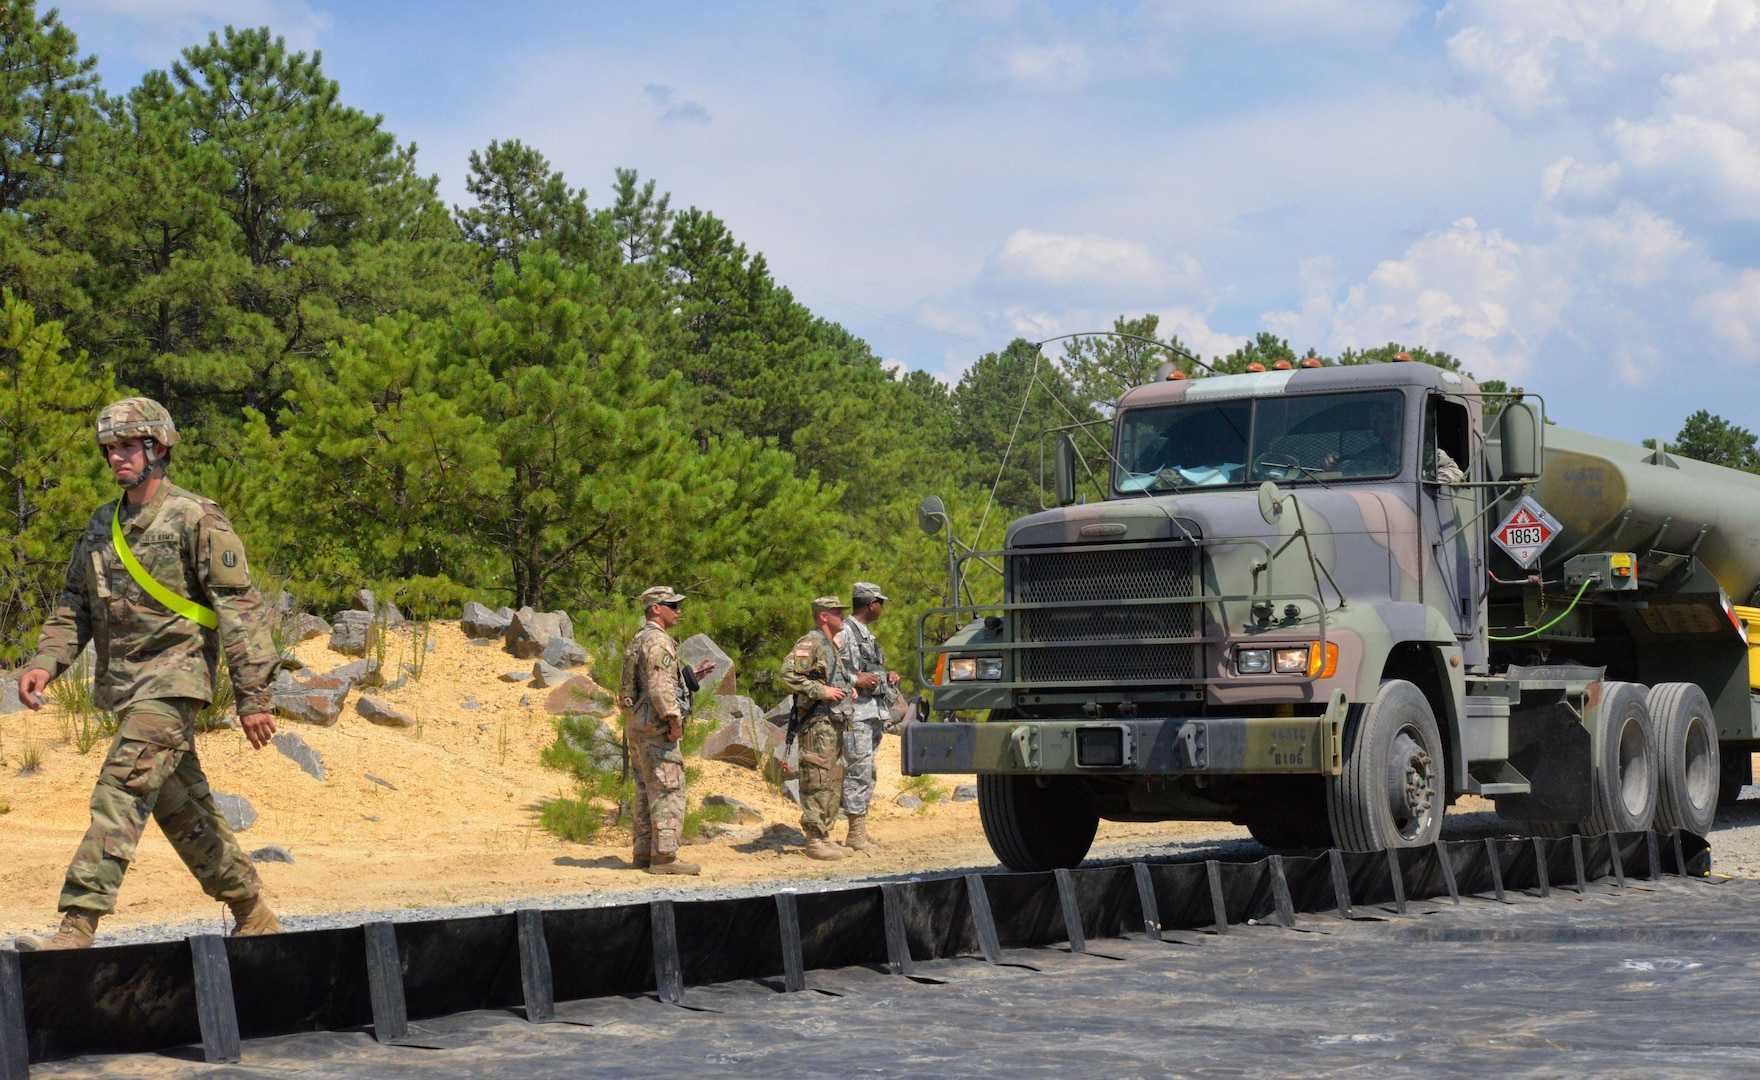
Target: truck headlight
[967, 668]
[1292, 661]
[1252, 661]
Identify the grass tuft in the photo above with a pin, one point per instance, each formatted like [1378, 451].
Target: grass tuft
[577, 820]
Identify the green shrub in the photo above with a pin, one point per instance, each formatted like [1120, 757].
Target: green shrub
[576, 820]
[923, 787]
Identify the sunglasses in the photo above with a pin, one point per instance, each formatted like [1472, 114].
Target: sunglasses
[673, 604]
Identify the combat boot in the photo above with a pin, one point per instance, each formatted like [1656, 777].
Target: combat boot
[823, 849]
[641, 860]
[252, 917]
[670, 864]
[78, 926]
[858, 838]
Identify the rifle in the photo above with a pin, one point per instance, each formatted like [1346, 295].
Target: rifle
[795, 719]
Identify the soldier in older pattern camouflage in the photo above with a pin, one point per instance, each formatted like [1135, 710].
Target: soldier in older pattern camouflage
[156, 669]
[874, 690]
[655, 695]
[814, 672]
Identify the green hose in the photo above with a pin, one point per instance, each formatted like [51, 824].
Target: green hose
[1541, 630]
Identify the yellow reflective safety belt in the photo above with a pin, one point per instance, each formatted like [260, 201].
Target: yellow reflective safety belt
[189, 609]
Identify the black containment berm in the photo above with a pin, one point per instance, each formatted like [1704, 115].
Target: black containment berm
[213, 992]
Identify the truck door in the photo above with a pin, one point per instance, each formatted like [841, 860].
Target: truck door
[1456, 560]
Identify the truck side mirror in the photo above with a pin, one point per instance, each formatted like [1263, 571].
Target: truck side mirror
[930, 515]
[1065, 470]
[1519, 434]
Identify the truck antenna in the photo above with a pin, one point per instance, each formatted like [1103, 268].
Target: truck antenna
[1167, 346]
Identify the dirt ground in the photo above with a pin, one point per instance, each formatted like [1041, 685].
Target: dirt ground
[455, 821]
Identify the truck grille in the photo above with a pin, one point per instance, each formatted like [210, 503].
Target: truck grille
[1102, 574]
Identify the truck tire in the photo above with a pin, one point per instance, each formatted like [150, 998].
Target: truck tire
[1392, 791]
[1625, 775]
[1687, 746]
[1032, 827]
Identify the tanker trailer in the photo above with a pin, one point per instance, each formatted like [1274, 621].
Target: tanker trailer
[1284, 605]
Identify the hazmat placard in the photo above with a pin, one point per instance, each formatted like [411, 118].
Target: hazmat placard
[1526, 532]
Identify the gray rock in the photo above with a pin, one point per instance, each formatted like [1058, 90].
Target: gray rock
[9, 699]
[295, 748]
[391, 615]
[909, 802]
[505, 612]
[381, 783]
[362, 672]
[579, 696]
[479, 621]
[564, 653]
[349, 631]
[479, 642]
[965, 792]
[529, 630]
[306, 626]
[700, 647]
[545, 676]
[314, 701]
[742, 814]
[792, 789]
[380, 713]
[470, 702]
[741, 740]
[778, 714]
[514, 676]
[366, 601]
[524, 700]
[284, 605]
[238, 812]
[733, 834]
[272, 853]
[290, 662]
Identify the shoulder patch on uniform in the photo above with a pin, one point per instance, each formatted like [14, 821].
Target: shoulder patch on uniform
[803, 653]
[226, 565]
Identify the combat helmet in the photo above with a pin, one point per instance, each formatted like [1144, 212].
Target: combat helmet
[136, 418]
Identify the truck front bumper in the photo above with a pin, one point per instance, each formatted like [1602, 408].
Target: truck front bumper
[1195, 745]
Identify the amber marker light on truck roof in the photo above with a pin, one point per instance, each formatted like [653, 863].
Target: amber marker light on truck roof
[1176, 375]
[1310, 361]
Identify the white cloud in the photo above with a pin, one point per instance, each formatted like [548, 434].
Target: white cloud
[1194, 332]
[1366, 22]
[673, 108]
[1059, 259]
[1734, 314]
[1049, 67]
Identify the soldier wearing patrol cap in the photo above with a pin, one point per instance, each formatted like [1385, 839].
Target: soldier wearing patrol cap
[159, 583]
[823, 691]
[875, 688]
[656, 693]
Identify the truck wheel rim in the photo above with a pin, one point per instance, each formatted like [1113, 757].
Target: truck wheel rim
[1701, 774]
[1411, 784]
[1634, 768]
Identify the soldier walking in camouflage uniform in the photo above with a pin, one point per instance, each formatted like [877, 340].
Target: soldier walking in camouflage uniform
[159, 583]
[656, 694]
[874, 690]
[822, 688]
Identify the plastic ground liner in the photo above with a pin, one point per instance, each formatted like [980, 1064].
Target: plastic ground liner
[213, 992]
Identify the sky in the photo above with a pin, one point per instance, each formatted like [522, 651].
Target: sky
[1562, 194]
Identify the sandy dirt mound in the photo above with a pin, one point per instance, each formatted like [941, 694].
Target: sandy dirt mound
[454, 821]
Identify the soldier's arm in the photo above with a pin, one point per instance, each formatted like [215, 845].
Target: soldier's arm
[660, 678]
[244, 617]
[69, 626]
[803, 675]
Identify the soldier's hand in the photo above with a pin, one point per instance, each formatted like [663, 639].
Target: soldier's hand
[30, 687]
[674, 729]
[259, 728]
[703, 669]
[867, 680]
[892, 677]
[834, 693]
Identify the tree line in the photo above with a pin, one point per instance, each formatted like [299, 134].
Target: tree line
[534, 398]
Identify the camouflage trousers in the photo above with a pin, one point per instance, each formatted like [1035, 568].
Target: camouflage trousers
[859, 744]
[657, 810]
[821, 776]
[143, 777]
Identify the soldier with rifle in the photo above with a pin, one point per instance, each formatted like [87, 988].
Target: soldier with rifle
[823, 690]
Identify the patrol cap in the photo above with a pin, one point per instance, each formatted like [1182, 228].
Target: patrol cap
[866, 592]
[136, 418]
[829, 603]
[659, 594]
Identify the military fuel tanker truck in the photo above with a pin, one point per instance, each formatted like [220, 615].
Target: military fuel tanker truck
[1325, 603]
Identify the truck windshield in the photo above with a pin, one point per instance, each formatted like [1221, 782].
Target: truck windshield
[1293, 438]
